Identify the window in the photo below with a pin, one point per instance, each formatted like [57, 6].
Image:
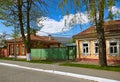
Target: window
[85, 48]
[11, 50]
[96, 48]
[23, 49]
[113, 47]
[17, 50]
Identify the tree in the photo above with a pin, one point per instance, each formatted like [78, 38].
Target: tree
[95, 10]
[3, 37]
[15, 35]
[24, 14]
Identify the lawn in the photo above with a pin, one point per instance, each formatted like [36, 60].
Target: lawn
[109, 68]
[32, 61]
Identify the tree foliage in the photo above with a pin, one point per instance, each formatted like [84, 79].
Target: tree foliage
[96, 14]
[23, 15]
[3, 37]
[9, 12]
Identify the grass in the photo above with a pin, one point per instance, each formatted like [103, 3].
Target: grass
[32, 61]
[42, 61]
[12, 59]
[108, 68]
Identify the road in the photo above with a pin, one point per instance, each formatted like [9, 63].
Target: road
[12, 74]
[15, 71]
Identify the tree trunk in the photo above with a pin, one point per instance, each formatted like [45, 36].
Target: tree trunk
[28, 31]
[102, 46]
[100, 35]
[15, 54]
[26, 42]
[19, 2]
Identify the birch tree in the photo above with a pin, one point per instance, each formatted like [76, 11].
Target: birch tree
[96, 14]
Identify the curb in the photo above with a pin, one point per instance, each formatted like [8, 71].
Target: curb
[62, 73]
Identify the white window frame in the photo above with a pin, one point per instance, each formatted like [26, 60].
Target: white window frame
[88, 48]
[95, 47]
[114, 54]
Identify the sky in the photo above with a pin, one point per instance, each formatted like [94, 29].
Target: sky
[54, 22]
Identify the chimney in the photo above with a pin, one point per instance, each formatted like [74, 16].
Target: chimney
[49, 36]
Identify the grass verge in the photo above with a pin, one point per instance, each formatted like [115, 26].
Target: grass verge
[32, 61]
[42, 61]
[108, 68]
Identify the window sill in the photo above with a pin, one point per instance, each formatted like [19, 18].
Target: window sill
[85, 54]
[96, 54]
[114, 55]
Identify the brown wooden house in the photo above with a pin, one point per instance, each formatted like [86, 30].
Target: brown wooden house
[18, 47]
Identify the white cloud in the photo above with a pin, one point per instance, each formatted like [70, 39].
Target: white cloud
[52, 26]
[115, 10]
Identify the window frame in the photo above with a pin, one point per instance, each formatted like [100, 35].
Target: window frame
[95, 48]
[117, 45]
[88, 48]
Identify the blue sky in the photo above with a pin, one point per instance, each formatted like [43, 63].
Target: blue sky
[54, 23]
[3, 28]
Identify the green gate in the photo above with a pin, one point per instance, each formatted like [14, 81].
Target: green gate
[71, 52]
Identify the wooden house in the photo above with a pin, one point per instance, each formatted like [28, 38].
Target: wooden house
[17, 46]
[87, 43]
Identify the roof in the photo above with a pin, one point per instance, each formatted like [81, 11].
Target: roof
[111, 28]
[44, 39]
[63, 40]
[70, 45]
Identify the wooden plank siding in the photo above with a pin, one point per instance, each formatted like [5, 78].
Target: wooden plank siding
[36, 42]
[112, 34]
[94, 57]
[18, 49]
